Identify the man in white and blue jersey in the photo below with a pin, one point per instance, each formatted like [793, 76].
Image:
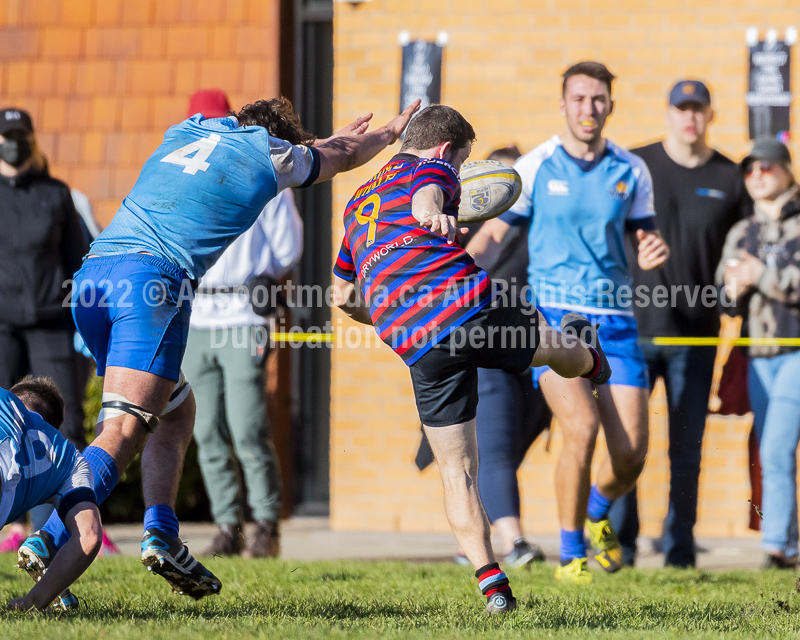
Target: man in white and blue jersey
[205, 185]
[584, 196]
[38, 465]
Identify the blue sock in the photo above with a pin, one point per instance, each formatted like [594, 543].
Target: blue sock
[163, 518]
[572, 545]
[105, 475]
[104, 469]
[598, 505]
[56, 528]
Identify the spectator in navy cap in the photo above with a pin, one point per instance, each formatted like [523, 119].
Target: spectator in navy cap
[699, 195]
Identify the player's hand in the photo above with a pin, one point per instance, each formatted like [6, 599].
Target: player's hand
[653, 251]
[397, 125]
[443, 224]
[358, 127]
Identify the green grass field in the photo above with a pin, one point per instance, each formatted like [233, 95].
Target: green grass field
[283, 599]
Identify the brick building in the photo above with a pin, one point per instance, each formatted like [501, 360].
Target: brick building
[501, 69]
[103, 79]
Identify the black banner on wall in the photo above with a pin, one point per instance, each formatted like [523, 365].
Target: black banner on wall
[421, 74]
[769, 93]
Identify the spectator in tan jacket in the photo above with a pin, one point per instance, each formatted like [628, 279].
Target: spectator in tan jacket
[760, 271]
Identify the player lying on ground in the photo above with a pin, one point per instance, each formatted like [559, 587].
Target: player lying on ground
[203, 187]
[428, 300]
[38, 465]
[583, 195]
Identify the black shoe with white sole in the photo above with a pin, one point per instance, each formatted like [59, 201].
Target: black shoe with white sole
[168, 557]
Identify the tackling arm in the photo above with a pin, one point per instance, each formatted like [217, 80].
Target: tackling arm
[345, 152]
[83, 522]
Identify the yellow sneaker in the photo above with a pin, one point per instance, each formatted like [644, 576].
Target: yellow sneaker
[576, 572]
[608, 551]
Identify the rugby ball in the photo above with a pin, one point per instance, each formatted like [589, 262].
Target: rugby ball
[488, 188]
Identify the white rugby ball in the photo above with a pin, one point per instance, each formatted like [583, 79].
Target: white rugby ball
[488, 188]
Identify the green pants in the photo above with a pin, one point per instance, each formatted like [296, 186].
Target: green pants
[228, 384]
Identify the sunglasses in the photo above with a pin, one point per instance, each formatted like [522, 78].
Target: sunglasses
[764, 165]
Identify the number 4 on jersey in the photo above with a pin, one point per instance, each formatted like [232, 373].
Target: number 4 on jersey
[200, 148]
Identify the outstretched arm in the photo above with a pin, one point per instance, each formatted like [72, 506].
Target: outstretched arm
[345, 152]
[83, 522]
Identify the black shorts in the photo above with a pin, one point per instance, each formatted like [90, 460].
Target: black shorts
[446, 378]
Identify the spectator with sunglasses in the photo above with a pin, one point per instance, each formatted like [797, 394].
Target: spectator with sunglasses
[760, 278]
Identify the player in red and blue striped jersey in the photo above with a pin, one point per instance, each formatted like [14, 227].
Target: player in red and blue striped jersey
[420, 284]
[430, 302]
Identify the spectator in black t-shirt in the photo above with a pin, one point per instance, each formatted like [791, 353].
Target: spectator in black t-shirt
[699, 195]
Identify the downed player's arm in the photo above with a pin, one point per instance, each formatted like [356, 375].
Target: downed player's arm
[83, 522]
[347, 296]
[486, 244]
[346, 152]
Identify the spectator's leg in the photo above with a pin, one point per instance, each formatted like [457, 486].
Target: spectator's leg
[246, 416]
[624, 512]
[498, 425]
[202, 370]
[51, 353]
[688, 382]
[780, 438]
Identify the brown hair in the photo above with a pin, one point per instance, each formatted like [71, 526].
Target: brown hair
[596, 70]
[511, 152]
[42, 396]
[278, 117]
[435, 124]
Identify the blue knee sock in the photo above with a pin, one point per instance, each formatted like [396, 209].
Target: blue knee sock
[105, 475]
[598, 505]
[572, 545]
[163, 518]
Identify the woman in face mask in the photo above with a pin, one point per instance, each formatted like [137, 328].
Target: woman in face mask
[760, 271]
[42, 244]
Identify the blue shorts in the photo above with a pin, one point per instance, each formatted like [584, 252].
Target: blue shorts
[133, 311]
[619, 338]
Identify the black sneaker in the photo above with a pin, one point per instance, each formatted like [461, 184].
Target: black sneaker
[523, 554]
[169, 558]
[500, 603]
[34, 556]
[779, 562]
[575, 324]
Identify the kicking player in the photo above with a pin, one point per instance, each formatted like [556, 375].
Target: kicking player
[203, 187]
[38, 465]
[434, 307]
[584, 195]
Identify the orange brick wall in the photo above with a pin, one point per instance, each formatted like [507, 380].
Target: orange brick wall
[502, 70]
[103, 79]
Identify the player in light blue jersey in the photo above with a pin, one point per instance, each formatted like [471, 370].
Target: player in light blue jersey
[38, 465]
[204, 186]
[585, 197]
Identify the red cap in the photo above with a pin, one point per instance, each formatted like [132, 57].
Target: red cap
[212, 103]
